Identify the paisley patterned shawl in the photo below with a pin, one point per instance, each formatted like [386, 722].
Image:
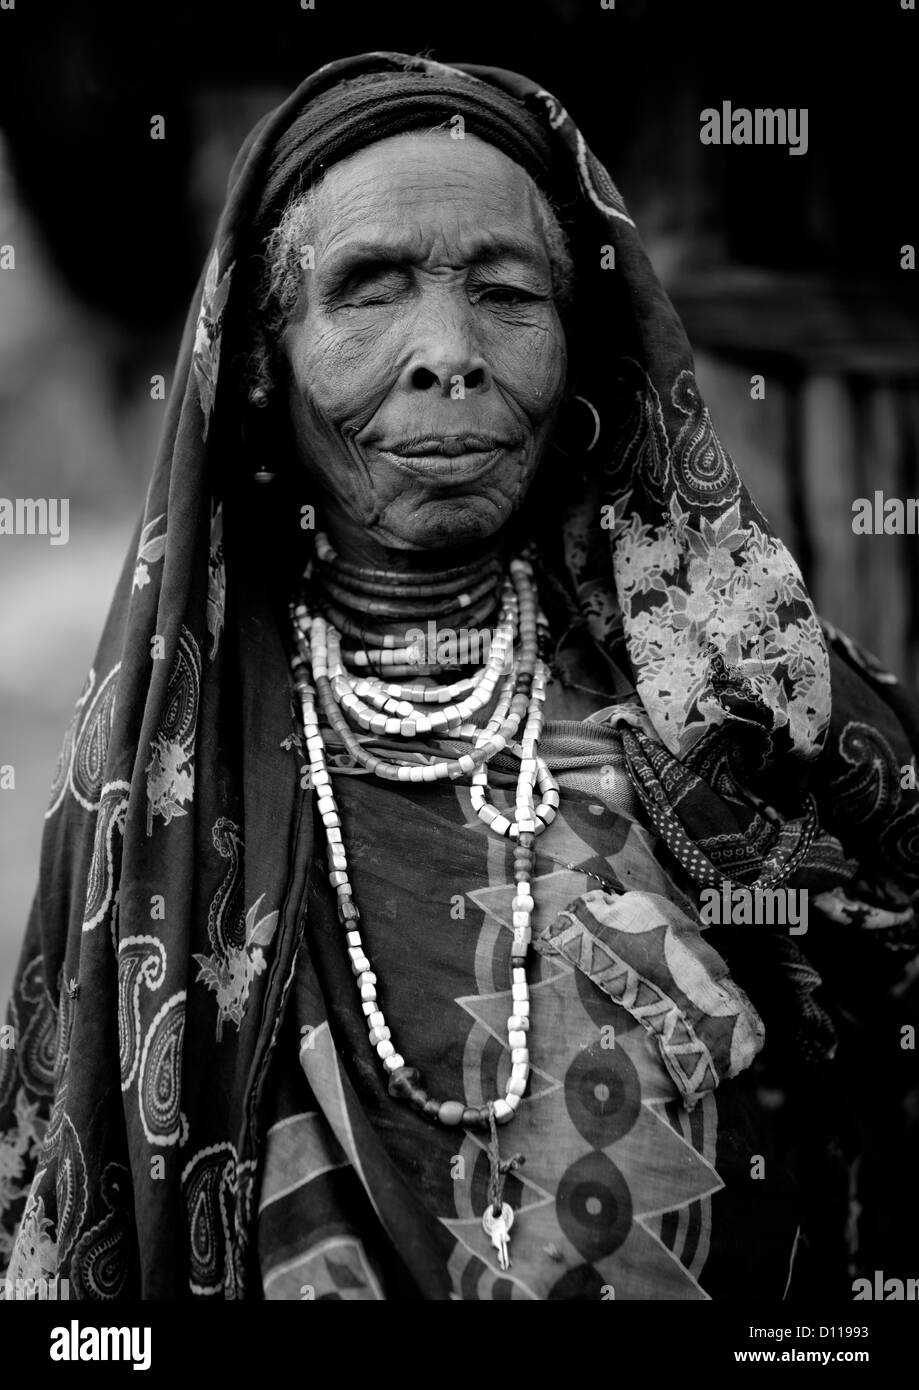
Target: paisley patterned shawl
[161, 943]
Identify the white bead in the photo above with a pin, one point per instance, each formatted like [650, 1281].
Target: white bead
[330, 818]
[467, 763]
[500, 825]
[512, 1100]
[518, 975]
[525, 826]
[523, 903]
[360, 965]
[385, 1049]
[368, 992]
[520, 919]
[376, 1019]
[522, 1006]
[502, 1110]
[325, 804]
[522, 938]
[378, 1035]
[354, 939]
[520, 1054]
[516, 1037]
[394, 1062]
[516, 1086]
[369, 1007]
[523, 891]
[518, 1023]
[520, 993]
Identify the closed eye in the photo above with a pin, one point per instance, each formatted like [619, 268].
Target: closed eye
[510, 294]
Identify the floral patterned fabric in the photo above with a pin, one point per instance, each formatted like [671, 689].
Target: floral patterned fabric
[172, 895]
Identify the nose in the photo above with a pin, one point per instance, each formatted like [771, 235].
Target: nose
[445, 356]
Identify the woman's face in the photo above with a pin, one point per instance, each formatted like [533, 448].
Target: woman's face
[427, 358]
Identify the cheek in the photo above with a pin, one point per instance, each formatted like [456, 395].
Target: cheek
[529, 362]
[340, 370]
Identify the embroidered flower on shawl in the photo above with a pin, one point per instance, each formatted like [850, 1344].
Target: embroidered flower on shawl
[170, 781]
[17, 1146]
[216, 580]
[230, 976]
[739, 588]
[206, 353]
[171, 769]
[35, 1251]
[151, 549]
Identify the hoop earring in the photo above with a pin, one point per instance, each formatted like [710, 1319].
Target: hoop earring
[596, 419]
[258, 397]
[569, 434]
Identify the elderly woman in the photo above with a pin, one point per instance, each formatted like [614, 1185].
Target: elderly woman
[455, 717]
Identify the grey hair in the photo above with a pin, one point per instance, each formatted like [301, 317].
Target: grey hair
[279, 288]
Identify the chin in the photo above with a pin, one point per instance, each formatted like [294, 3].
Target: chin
[447, 524]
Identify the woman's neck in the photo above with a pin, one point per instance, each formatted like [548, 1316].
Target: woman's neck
[355, 544]
[404, 591]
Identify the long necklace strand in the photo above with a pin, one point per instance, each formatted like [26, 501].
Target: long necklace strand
[385, 708]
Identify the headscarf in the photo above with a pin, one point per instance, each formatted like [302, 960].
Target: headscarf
[163, 935]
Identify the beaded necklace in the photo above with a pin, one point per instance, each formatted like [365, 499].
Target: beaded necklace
[358, 688]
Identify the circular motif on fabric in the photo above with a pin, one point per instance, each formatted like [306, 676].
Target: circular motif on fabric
[101, 1263]
[872, 784]
[37, 1049]
[105, 866]
[89, 754]
[160, 1081]
[602, 1095]
[65, 757]
[207, 1184]
[600, 1007]
[557, 113]
[180, 712]
[579, 1285]
[704, 471]
[71, 1189]
[900, 841]
[594, 1206]
[597, 184]
[141, 959]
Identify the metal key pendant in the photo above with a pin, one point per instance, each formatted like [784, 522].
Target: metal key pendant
[499, 1229]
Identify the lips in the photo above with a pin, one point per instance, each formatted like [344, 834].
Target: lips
[447, 445]
[447, 458]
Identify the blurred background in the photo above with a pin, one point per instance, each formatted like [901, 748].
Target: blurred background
[782, 265]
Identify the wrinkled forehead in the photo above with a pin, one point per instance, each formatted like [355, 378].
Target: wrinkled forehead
[412, 189]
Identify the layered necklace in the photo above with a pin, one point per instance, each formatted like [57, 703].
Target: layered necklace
[368, 686]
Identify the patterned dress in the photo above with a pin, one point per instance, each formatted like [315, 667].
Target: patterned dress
[626, 1191]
